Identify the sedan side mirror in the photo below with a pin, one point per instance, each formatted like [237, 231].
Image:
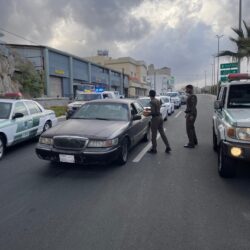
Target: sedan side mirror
[218, 104]
[136, 117]
[17, 115]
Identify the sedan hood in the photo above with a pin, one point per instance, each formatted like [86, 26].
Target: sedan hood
[100, 129]
[240, 117]
[76, 104]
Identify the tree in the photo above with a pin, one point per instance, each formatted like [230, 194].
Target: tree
[242, 43]
[29, 78]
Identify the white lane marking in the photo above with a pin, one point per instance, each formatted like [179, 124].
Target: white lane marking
[144, 150]
[178, 114]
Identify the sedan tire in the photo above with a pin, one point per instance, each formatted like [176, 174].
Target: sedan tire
[47, 126]
[123, 154]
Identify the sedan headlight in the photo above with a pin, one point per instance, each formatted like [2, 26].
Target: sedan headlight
[102, 143]
[45, 140]
[243, 134]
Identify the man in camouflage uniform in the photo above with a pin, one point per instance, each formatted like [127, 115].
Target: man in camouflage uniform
[191, 114]
[157, 123]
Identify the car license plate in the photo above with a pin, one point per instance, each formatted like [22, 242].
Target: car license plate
[67, 158]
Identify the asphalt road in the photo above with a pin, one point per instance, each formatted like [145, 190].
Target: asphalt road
[162, 201]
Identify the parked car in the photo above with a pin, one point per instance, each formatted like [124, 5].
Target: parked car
[183, 96]
[83, 97]
[175, 96]
[170, 102]
[101, 131]
[21, 120]
[144, 101]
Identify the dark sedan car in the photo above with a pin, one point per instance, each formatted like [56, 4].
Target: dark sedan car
[100, 131]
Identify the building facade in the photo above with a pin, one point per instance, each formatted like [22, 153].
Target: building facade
[137, 71]
[65, 73]
[160, 79]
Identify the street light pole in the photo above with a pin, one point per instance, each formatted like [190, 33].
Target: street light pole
[240, 13]
[218, 58]
[240, 17]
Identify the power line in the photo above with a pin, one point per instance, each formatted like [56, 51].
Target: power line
[14, 34]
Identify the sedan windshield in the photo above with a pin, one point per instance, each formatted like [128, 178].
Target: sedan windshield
[5, 109]
[87, 97]
[144, 102]
[103, 111]
[239, 96]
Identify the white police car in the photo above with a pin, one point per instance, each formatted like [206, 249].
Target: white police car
[21, 120]
[231, 124]
[83, 97]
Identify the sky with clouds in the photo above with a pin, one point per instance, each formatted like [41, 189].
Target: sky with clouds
[174, 33]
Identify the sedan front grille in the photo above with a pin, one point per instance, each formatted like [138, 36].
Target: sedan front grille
[70, 142]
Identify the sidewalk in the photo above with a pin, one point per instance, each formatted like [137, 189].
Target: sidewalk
[61, 118]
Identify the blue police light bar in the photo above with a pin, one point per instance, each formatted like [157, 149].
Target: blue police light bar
[99, 90]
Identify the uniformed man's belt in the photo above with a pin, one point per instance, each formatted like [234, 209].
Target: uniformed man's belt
[156, 115]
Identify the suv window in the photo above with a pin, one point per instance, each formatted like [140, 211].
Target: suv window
[239, 96]
[33, 108]
[20, 108]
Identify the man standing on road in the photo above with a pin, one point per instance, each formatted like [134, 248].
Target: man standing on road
[156, 123]
[191, 114]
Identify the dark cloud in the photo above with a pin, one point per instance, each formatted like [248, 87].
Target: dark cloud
[187, 48]
[109, 19]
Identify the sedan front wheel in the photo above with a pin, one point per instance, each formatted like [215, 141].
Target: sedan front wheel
[123, 154]
[47, 126]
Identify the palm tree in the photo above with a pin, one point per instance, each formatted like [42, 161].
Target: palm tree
[242, 43]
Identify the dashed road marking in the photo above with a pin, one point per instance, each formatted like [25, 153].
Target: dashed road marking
[144, 150]
[148, 146]
[178, 114]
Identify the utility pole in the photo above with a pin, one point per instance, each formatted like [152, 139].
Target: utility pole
[205, 80]
[240, 17]
[154, 80]
[123, 92]
[218, 58]
[212, 79]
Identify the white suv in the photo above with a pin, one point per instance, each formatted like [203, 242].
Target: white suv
[231, 125]
[175, 96]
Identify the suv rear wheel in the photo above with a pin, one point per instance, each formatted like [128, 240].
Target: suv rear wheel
[226, 165]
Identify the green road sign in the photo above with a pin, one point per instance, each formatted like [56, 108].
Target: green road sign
[224, 79]
[228, 65]
[229, 71]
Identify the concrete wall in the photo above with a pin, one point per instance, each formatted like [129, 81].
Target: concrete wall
[48, 102]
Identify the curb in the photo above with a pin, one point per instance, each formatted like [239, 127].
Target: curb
[61, 118]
